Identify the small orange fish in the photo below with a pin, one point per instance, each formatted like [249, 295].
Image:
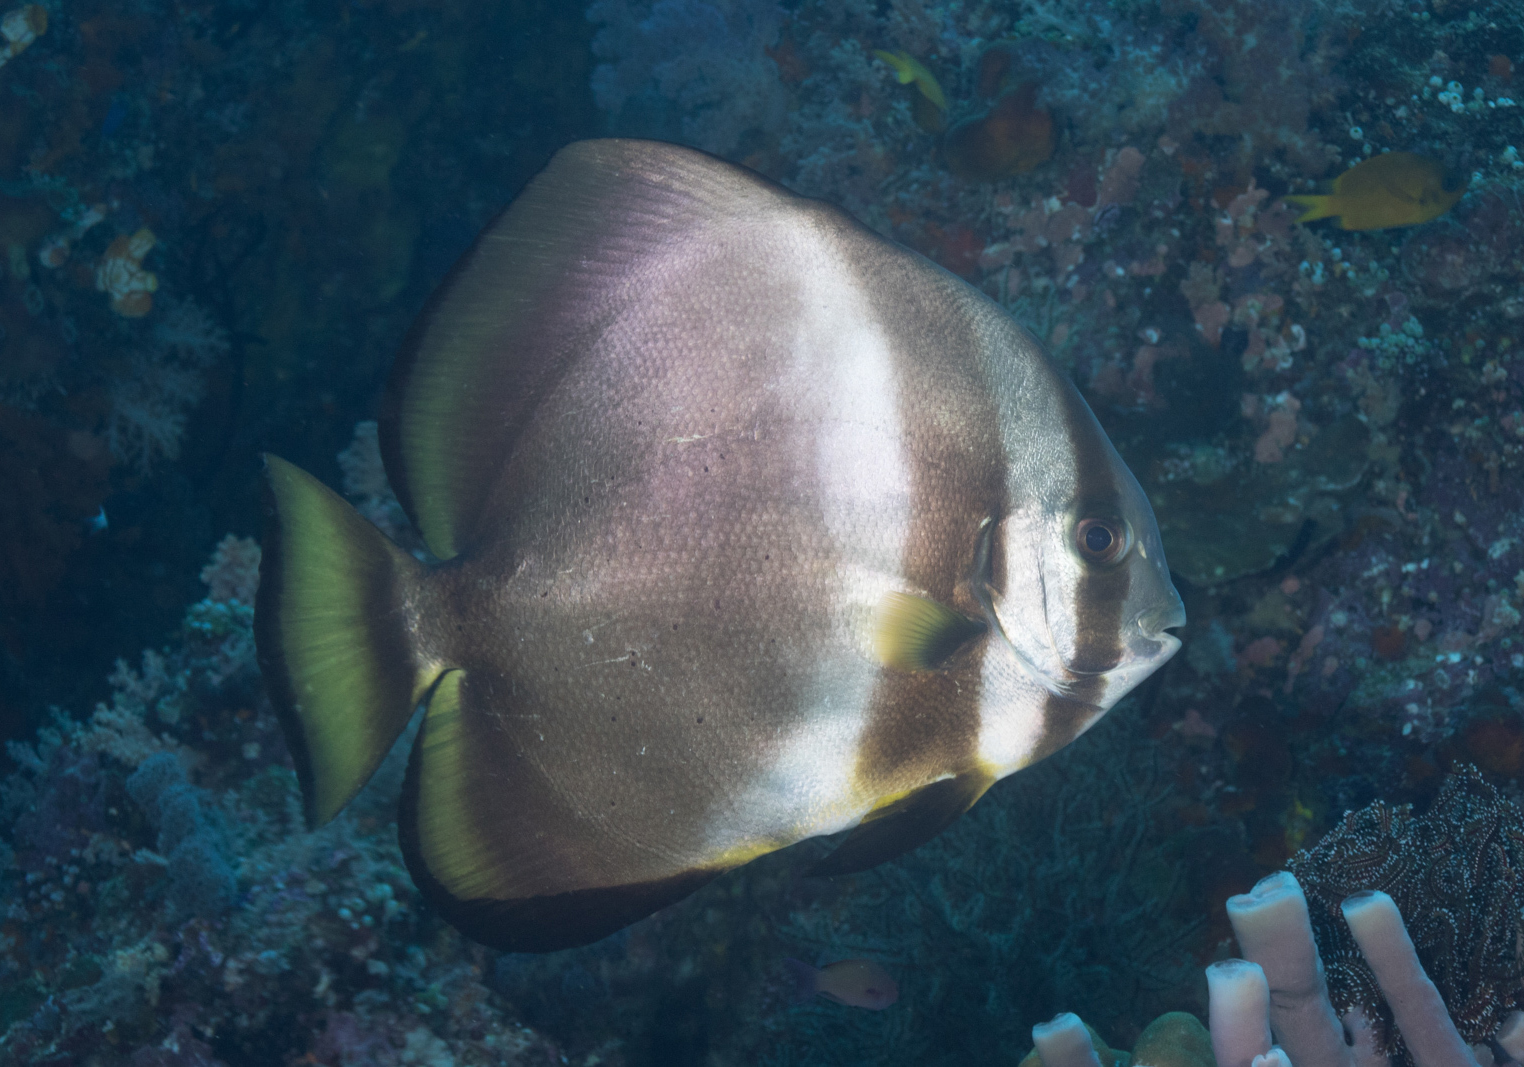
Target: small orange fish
[856, 983]
[1389, 190]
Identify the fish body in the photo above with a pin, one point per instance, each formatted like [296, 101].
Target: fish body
[1390, 190]
[910, 70]
[855, 983]
[752, 527]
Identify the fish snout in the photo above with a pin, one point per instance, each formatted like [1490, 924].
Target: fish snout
[1149, 643]
[1153, 621]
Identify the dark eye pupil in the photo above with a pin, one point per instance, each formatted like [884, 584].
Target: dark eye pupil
[1098, 539]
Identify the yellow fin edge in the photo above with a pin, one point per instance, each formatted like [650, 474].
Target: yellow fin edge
[336, 656]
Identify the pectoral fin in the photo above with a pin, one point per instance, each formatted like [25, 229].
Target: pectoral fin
[913, 633]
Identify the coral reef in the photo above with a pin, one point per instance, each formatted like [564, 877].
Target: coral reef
[1330, 425]
[1432, 981]
[163, 903]
[308, 170]
[690, 70]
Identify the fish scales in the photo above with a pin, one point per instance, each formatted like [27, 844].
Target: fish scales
[768, 579]
[754, 527]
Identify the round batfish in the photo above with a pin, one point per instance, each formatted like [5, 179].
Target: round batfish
[750, 525]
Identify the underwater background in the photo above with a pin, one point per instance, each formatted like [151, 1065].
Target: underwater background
[217, 221]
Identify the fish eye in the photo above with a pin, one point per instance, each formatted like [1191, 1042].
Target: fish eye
[1101, 540]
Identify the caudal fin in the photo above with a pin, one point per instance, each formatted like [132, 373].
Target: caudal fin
[1318, 207]
[805, 978]
[331, 626]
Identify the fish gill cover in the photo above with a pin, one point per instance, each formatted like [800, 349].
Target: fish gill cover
[1329, 425]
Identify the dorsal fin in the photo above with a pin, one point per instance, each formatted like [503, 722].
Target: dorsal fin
[540, 284]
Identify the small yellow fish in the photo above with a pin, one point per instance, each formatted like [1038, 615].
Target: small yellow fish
[1385, 191]
[909, 69]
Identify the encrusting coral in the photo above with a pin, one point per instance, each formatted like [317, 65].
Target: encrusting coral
[1456, 874]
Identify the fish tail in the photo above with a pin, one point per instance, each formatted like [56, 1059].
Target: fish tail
[899, 63]
[1318, 207]
[805, 978]
[333, 636]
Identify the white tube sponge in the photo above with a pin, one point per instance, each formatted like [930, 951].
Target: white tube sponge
[1417, 1008]
[1273, 931]
[1276, 1057]
[1064, 1042]
[1238, 1012]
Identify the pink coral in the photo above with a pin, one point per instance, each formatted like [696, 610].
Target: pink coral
[1280, 431]
[1119, 183]
[233, 573]
[1210, 319]
[1261, 652]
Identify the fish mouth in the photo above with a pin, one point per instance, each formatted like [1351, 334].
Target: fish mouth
[1148, 644]
[1155, 621]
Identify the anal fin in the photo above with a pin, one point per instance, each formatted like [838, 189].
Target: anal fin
[904, 824]
[495, 854]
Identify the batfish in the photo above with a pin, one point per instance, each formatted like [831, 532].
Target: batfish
[748, 525]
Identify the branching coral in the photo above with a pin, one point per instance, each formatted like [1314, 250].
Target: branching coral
[162, 383]
[190, 838]
[127, 841]
[702, 62]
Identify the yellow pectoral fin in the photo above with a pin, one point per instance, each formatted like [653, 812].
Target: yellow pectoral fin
[1402, 194]
[912, 633]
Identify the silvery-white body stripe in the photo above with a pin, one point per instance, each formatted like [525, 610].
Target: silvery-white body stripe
[1010, 711]
[1013, 692]
[862, 482]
